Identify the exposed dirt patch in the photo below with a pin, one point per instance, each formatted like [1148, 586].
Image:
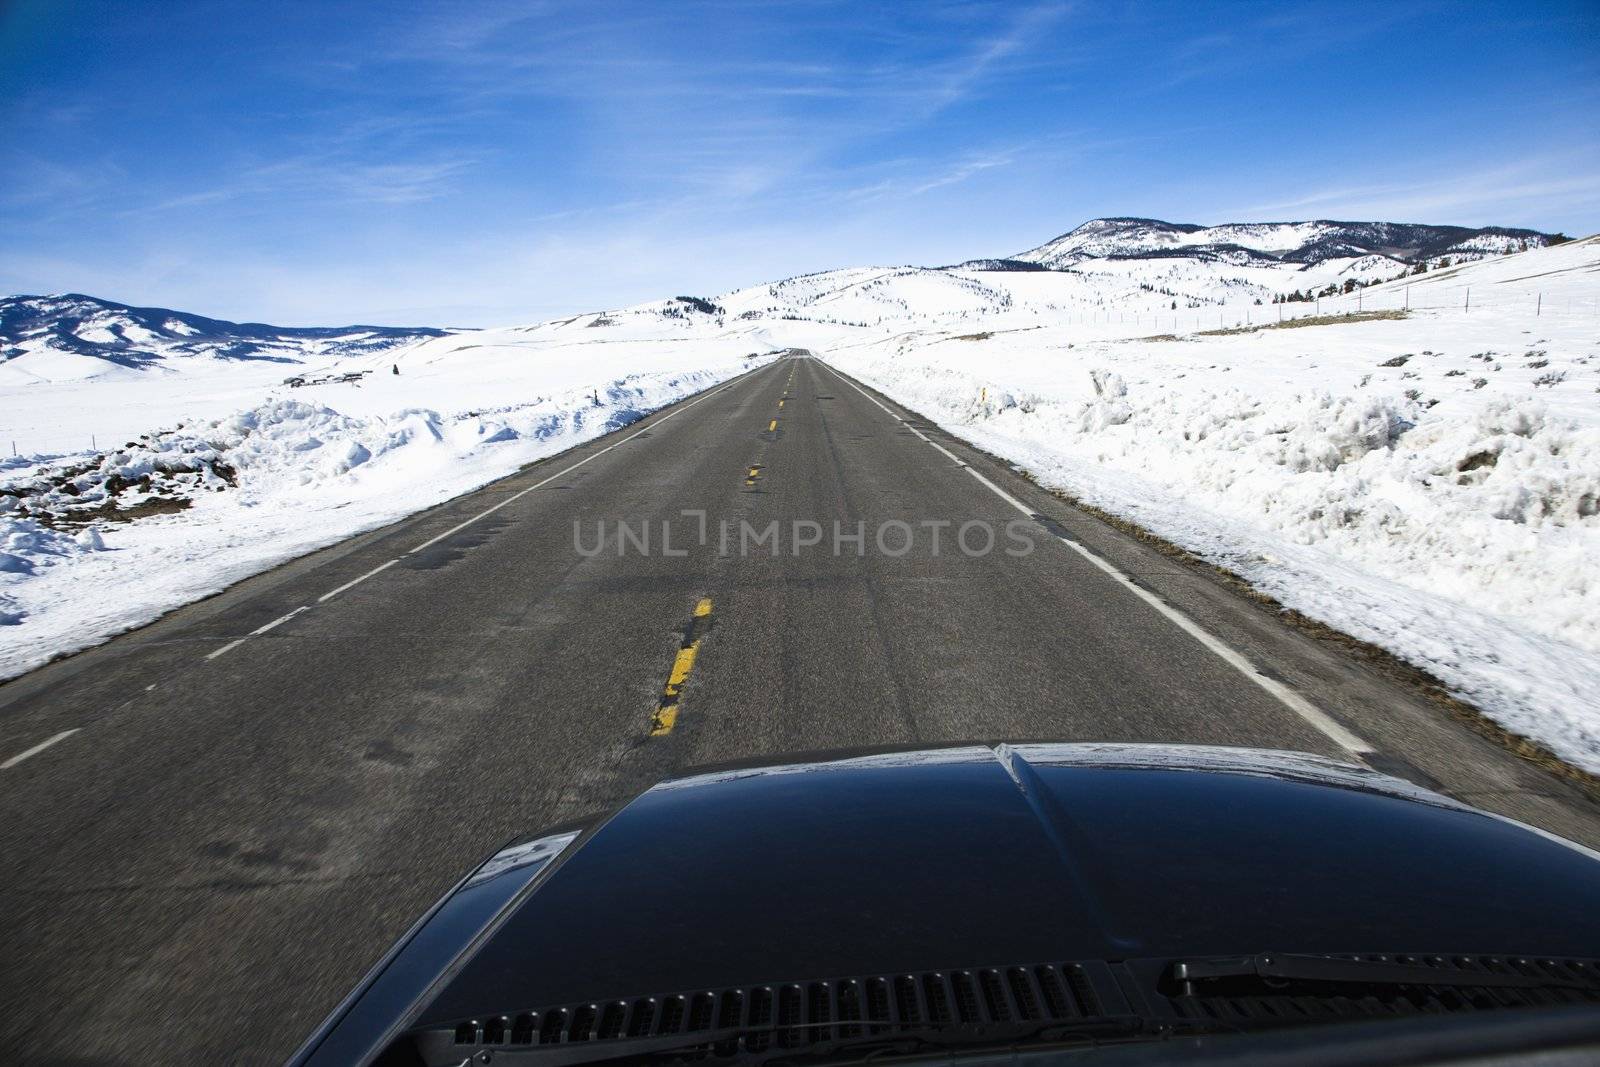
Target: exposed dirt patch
[1310, 320]
[84, 493]
[110, 512]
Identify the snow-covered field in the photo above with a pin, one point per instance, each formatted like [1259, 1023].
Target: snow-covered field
[1422, 473]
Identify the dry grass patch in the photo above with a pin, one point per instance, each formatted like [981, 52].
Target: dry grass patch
[1310, 320]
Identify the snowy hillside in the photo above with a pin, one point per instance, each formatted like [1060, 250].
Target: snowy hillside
[1116, 271]
[1179, 292]
[76, 336]
[1283, 242]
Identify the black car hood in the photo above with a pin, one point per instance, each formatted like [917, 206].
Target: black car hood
[972, 856]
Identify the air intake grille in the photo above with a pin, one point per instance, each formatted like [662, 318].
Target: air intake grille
[796, 1014]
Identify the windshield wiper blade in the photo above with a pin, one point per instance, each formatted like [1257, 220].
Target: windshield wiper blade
[1274, 967]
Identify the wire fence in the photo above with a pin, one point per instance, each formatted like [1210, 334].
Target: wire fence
[1401, 299]
[1462, 298]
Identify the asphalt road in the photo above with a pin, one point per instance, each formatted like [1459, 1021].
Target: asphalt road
[244, 821]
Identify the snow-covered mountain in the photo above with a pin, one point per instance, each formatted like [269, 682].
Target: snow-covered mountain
[1402, 243]
[41, 328]
[1131, 267]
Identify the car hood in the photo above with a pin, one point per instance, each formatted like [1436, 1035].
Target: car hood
[978, 855]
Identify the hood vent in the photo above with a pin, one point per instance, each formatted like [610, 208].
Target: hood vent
[795, 1014]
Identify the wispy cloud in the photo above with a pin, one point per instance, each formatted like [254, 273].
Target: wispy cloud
[1469, 195]
[1280, 34]
[916, 177]
[329, 180]
[970, 71]
[34, 181]
[725, 126]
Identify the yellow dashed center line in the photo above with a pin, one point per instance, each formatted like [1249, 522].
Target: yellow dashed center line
[750, 479]
[666, 716]
[773, 425]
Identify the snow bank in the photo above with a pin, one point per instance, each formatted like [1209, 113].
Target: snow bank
[28, 548]
[238, 494]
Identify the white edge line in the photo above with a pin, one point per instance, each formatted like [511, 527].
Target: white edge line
[1288, 697]
[330, 594]
[229, 647]
[258, 631]
[36, 749]
[280, 620]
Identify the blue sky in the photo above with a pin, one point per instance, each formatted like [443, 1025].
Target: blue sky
[487, 163]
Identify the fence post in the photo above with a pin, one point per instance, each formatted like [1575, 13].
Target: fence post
[1468, 305]
[1538, 307]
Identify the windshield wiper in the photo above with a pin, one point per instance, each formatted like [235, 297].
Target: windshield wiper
[1279, 968]
[793, 1044]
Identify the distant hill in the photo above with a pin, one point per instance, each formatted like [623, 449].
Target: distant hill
[1128, 267]
[1312, 242]
[36, 327]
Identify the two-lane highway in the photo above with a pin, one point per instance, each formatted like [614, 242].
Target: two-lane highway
[263, 790]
